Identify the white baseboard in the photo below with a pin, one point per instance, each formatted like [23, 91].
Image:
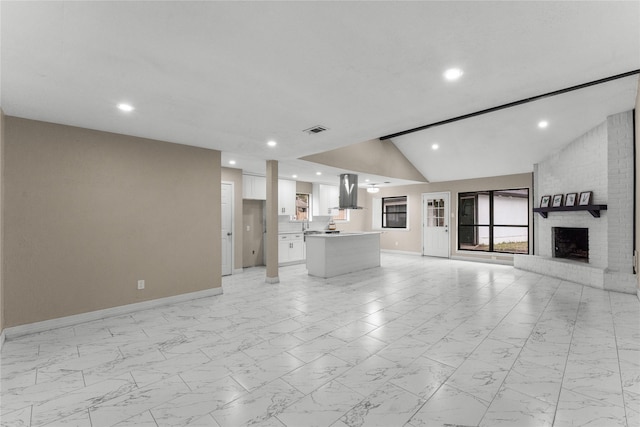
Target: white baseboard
[483, 260]
[272, 280]
[391, 251]
[62, 322]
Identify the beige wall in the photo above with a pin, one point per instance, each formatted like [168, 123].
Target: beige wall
[271, 222]
[304, 187]
[1, 219]
[374, 156]
[235, 176]
[89, 213]
[411, 240]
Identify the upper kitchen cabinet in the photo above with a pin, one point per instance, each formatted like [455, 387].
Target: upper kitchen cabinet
[325, 199]
[286, 197]
[254, 187]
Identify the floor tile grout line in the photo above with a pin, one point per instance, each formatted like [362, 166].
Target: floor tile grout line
[566, 362]
[467, 358]
[503, 317]
[524, 344]
[615, 337]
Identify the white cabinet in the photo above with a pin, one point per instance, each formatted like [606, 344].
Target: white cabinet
[286, 197]
[291, 248]
[325, 199]
[254, 187]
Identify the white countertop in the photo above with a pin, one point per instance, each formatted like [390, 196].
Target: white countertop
[341, 234]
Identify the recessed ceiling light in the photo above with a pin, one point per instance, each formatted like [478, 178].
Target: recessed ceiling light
[435, 146]
[453, 74]
[272, 143]
[318, 173]
[125, 107]
[543, 124]
[367, 180]
[294, 176]
[232, 162]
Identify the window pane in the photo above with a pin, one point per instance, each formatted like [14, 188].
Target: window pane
[474, 208]
[467, 215]
[394, 212]
[483, 209]
[473, 238]
[511, 207]
[395, 220]
[511, 239]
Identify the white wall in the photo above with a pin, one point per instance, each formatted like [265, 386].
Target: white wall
[601, 161]
[580, 166]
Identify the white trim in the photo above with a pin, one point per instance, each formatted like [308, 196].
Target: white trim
[61, 322]
[233, 224]
[483, 260]
[487, 253]
[391, 251]
[447, 214]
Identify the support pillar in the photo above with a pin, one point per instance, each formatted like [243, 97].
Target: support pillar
[271, 239]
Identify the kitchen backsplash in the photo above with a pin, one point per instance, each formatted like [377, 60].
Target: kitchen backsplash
[287, 226]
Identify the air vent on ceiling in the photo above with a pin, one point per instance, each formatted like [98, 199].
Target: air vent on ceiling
[315, 129]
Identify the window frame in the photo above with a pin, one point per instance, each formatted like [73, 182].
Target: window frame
[384, 214]
[491, 225]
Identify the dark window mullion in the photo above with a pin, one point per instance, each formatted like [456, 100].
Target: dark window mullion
[490, 221]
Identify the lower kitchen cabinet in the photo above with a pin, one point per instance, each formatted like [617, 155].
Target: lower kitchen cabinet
[290, 248]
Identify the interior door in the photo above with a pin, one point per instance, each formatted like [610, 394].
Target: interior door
[435, 224]
[227, 228]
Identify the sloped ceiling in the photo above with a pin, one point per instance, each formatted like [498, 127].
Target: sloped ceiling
[372, 157]
[232, 75]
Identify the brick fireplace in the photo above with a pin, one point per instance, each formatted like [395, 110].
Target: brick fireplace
[600, 161]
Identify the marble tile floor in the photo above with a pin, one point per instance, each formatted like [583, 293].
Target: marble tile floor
[416, 342]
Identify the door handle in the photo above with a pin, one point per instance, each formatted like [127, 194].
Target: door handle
[229, 234]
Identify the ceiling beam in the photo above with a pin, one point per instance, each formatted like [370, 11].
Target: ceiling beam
[511, 104]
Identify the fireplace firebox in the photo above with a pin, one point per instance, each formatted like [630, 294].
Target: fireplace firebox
[571, 243]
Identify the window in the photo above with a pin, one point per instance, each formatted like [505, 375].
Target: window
[494, 221]
[394, 212]
[303, 207]
[342, 215]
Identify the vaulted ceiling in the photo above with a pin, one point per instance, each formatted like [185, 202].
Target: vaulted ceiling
[232, 75]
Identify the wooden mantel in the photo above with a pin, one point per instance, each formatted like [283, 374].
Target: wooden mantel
[594, 210]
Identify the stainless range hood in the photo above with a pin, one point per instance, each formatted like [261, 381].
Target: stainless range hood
[348, 191]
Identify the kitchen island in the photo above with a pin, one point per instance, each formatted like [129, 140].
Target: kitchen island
[329, 255]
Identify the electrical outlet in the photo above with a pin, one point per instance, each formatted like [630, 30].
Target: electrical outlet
[140, 284]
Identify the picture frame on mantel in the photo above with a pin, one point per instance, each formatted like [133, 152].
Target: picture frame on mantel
[557, 200]
[570, 199]
[585, 198]
[545, 201]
